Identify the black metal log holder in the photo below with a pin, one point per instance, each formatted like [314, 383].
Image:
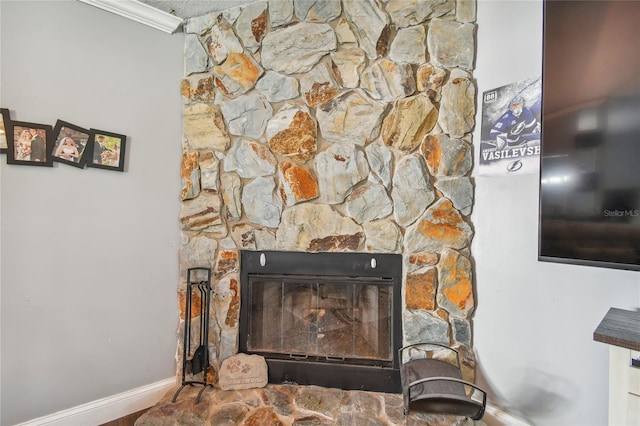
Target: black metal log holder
[196, 361]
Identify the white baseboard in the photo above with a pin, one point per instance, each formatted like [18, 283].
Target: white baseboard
[107, 409]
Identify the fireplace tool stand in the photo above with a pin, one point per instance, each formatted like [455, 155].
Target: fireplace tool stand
[196, 362]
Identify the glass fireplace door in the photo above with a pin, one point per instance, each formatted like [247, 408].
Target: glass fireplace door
[321, 318]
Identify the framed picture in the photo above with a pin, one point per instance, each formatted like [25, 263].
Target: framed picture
[107, 150]
[5, 128]
[28, 144]
[70, 144]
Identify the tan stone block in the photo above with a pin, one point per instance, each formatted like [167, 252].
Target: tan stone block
[298, 141]
[420, 290]
[204, 128]
[423, 259]
[238, 73]
[408, 122]
[444, 224]
[263, 416]
[227, 262]
[455, 293]
[298, 184]
[190, 181]
[198, 88]
[337, 243]
[233, 314]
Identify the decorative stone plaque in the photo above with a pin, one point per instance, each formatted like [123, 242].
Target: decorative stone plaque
[242, 371]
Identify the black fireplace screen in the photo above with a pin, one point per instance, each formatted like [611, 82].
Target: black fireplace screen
[321, 318]
[326, 319]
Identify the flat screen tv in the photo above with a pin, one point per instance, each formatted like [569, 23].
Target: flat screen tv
[590, 158]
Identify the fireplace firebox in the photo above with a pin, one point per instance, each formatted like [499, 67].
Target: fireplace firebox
[326, 319]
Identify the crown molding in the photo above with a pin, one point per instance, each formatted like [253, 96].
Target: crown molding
[139, 12]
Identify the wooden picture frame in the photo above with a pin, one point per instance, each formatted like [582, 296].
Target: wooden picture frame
[106, 150]
[70, 144]
[5, 128]
[28, 144]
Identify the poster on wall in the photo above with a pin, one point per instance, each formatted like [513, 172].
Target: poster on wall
[510, 138]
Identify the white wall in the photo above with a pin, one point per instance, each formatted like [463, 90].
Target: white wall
[88, 262]
[90, 312]
[534, 321]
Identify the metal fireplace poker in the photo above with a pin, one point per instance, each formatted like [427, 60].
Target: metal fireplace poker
[196, 361]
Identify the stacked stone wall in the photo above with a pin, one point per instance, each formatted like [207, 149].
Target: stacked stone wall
[330, 125]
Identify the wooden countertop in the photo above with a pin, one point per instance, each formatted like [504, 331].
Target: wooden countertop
[620, 328]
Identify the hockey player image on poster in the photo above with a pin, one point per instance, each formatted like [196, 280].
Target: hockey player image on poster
[511, 129]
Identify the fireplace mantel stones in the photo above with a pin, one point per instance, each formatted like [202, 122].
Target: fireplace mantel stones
[278, 405]
[268, 166]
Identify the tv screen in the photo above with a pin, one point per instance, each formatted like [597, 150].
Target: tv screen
[590, 158]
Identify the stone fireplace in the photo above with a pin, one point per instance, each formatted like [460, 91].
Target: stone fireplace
[331, 127]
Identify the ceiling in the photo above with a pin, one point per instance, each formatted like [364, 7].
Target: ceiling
[190, 8]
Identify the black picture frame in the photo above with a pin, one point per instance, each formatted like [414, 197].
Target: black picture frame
[28, 144]
[109, 155]
[5, 128]
[69, 144]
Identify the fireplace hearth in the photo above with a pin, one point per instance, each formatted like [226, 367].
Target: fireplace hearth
[326, 319]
